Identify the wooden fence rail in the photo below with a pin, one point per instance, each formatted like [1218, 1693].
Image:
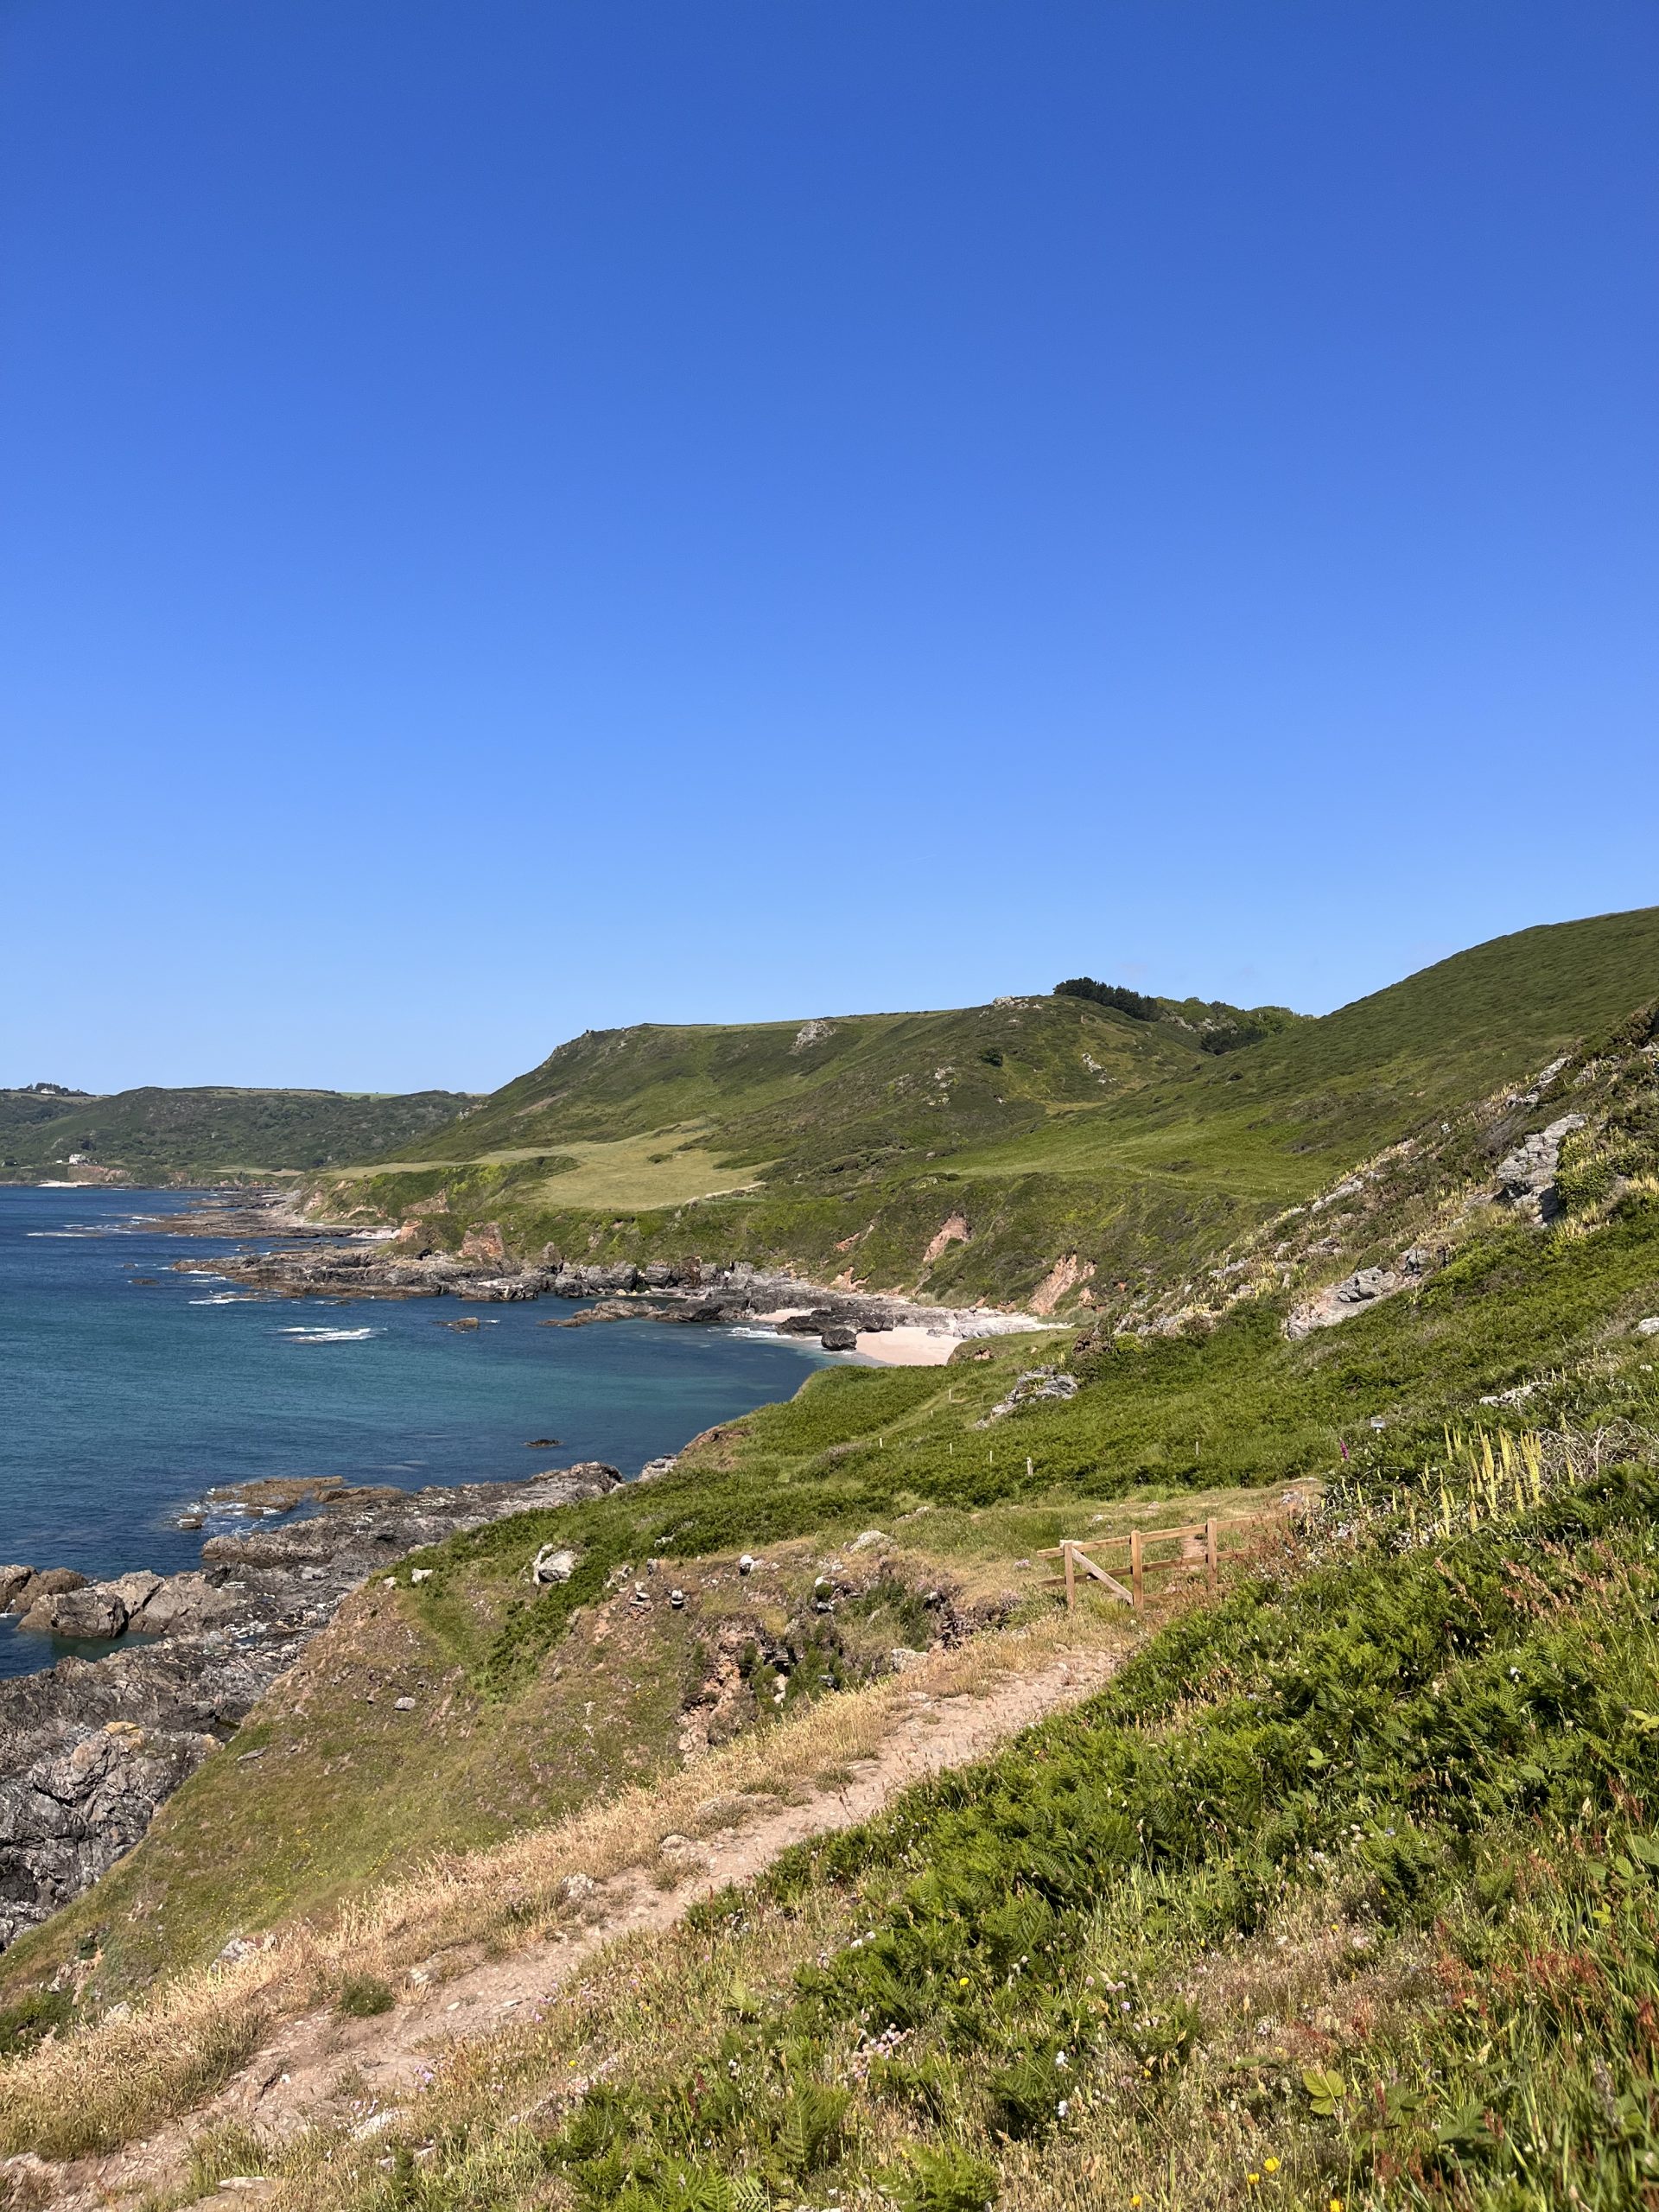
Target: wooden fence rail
[1198, 1556]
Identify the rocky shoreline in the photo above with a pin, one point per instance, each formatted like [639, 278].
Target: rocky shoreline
[483, 1272]
[89, 1748]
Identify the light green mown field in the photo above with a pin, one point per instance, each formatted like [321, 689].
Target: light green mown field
[664, 1167]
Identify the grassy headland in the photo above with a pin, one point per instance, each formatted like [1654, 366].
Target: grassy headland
[213, 1134]
[1027, 1134]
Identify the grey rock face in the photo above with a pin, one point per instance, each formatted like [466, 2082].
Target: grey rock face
[1527, 1177]
[89, 1749]
[88, 1752]
[1362, 1288]
[98, 1611]
[682, 1291]
[1036, 1384]
[34, 1586]
[181, 1605]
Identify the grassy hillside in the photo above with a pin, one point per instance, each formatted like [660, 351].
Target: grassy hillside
[154, 1135]
[1342, 1891]
[1041, 1127]
[1227, 1406]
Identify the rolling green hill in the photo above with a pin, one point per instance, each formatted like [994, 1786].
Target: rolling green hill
[1035, 1131]
[1343, 1892]
[211, 1133]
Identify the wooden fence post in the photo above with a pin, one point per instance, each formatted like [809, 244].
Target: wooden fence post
[1211, 1563]
[1134, 1568]
[1071, 1578]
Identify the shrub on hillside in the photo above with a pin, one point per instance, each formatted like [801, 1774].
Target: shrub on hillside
[1115, 995]
[363, 1995]
[1231, 1037]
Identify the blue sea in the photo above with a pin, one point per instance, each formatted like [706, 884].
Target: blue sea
[123, 1402]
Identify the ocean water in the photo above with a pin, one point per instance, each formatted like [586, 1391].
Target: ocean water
[122, 1402]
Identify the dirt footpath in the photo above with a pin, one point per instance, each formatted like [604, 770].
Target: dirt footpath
[292, 2083]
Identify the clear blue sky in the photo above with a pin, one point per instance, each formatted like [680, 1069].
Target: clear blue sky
[524, 517]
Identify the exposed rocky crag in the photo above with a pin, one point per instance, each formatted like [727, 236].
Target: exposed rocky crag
[1032, 1387]
[1526, 1178]
[89, 1748]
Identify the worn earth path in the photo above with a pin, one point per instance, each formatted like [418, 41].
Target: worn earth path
[294, 2080]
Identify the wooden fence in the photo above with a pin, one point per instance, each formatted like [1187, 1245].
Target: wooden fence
[1198, 1556]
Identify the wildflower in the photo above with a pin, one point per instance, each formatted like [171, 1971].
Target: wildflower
[1270, 2165]
[963, 1984]
[1253, 2179]
[1063, 2107]
[1135, 2201]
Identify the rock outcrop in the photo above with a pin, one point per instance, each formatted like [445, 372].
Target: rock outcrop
[1031, 1388]
[89, 1749]
[661, 1291]
[1339, 1301]
[1526, 1178]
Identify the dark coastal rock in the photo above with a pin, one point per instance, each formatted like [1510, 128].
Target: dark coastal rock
[685, 1292]
[97, 1610]
[705, 1311]
[89, 1749]
[614, 1309]
[88, 1752]
[34, 1585]
[840, 1336]
[181, 1605]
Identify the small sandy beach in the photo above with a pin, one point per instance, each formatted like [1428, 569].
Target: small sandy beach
[907, 1347]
